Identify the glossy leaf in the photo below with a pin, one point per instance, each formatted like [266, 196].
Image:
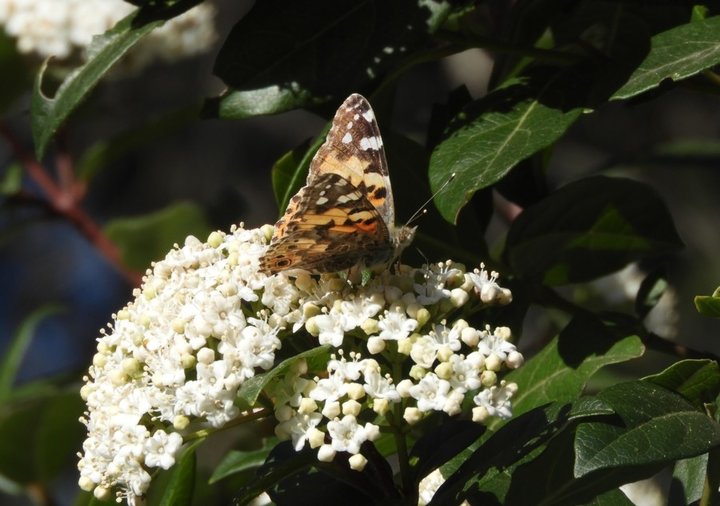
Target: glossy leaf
[708, 305]
[488, 468]
[496, 132]
[237, 461]
[250, 389]
[658, 427]
[282, 55]
[559, 372]
[49, 113]
[676, 54]
[177, 484]
[590, 228]
[149, 237]
[697, 380]
[688, 480]
[290, 171]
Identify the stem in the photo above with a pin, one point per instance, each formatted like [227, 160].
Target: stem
[399, 435]
[64, 199]
[402, 449]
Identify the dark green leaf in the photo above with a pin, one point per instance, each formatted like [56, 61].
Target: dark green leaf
[590, 228]
[59, 434]
[697, 380]
[487, 469]
[146, 238]
[11, 180]
[16, 78]
[236, 461]
[99, 155]
[18, 346]
[611, 498]
[708, 305]
[48, 114]
[559, 372]
[496, 132]
[688, 480]
[285, 55]
[180, 484]
[653, 286]
[290, 171]
[250, 390]
[40, 437]
[291, 477]
[440, 444]
[658, 427]
[676, 54]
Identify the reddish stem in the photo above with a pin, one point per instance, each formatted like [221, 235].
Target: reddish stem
[64, 199]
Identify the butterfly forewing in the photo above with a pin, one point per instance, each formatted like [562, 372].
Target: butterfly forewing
[344, 215]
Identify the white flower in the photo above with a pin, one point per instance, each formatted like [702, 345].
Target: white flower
[496, 400]
[495, 344]
[347, 435]
[431, 393]
[380, 387]
[65, 28]
[395, 325]
[161, 449]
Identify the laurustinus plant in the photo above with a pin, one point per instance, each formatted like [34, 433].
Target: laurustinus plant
[210, 342]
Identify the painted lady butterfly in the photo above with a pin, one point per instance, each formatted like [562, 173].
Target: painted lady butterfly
[344, 216]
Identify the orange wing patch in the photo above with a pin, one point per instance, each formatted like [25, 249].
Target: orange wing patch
[344, 215]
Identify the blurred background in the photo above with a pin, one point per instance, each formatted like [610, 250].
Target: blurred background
[218, 172]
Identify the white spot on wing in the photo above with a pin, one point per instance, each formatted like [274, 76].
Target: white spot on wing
[321, 201]
[349, 125]
[374, 143]
[369, 115]
[347, 138]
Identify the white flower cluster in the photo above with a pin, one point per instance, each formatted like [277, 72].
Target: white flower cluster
[403, 354]
[174, 359]
[206, 319]
[65, 28]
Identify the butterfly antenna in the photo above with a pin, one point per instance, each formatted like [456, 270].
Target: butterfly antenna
[423, 208]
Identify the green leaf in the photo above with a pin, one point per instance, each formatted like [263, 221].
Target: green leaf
[708, 305]
[290, 171]
[611, 498]
[40, 436]
[100, 154]
[285, 55]
[496, 132]
[658, 427]
[559, 372]
[440, 444]
[488, 468]
[236, 461]
[696, 380]
[48, 114]
[676, 54]
[147, 238]
[14, 355]
[651, 289]
[175, 486]
[250, 390]
[688, 480]
[15, 75]
[590, 228]
[11, 180]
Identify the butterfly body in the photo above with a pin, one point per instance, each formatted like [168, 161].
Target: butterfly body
[344, 216]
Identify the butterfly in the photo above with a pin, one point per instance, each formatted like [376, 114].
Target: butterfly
[344, 216]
